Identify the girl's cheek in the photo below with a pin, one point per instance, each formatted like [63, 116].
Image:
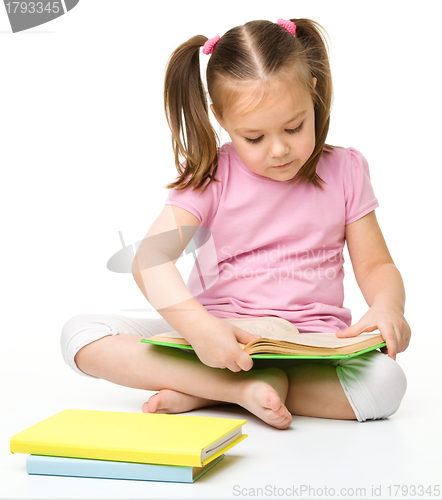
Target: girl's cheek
[257, 158]
[308, 144]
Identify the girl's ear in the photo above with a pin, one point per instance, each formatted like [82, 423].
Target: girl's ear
[218, 119]
[314, 81]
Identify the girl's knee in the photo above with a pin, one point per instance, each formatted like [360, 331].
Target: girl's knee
[86, 356]
[80, 331]
[374, 385]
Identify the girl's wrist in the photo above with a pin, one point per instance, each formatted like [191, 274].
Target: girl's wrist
[391, 303]
[196, 324]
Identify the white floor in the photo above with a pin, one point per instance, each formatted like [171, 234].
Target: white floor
[313, 453]
[86, 154]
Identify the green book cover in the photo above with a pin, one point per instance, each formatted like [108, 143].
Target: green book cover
[275, 356]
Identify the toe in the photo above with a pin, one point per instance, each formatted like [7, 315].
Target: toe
[153, 405]
[270, 399]
[284, 422]
[284, 412]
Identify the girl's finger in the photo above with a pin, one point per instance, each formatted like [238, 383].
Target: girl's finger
[356, 329]
[233, 367]
[407, 337]
[244, 362]
[351, 331]
[400, 340]
[389, 336]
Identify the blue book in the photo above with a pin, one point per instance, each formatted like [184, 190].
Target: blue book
[106, 469]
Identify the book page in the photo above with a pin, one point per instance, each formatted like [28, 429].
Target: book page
[169, 335]
[274, 329]
[267, 326]
[325, 339]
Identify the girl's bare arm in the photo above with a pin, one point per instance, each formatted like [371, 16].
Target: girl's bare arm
[381, 284]
[215, 341]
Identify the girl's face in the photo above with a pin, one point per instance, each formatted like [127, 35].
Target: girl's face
[276, 137]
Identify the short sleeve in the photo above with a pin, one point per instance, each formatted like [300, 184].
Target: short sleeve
[202, 205]
[359, 195]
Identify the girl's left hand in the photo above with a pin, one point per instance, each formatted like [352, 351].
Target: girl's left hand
[391, 324]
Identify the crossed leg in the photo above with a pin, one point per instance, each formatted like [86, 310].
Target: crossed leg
[120, 360]
[314, 391]
[374, 382]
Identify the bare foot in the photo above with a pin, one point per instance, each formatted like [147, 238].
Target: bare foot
[263, 393]
[168, 401]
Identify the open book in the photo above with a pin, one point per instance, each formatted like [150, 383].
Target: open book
[281, 339]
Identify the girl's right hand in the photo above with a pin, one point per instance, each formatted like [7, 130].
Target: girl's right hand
[216, 344]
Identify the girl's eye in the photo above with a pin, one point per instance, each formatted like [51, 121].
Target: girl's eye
[294, 130]
[289, 131]
[253, 141]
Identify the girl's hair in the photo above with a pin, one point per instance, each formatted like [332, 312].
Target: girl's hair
[257, 52]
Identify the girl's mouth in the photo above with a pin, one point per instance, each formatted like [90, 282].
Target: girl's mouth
[283, 167]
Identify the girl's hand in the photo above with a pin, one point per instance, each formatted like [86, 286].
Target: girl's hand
[391, 324]
[217, 345]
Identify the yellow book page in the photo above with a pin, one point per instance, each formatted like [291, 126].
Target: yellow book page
[268, 327]
[324, 339]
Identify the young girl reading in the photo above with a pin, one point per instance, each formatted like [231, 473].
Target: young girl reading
[277, 205]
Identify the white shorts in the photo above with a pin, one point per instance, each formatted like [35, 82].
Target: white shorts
[373, 383]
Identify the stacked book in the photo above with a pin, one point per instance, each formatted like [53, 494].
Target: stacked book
[120, 445]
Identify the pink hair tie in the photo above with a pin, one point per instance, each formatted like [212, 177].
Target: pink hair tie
[210, 45]
[290, 26]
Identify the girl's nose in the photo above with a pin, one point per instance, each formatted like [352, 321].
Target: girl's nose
[279, 149]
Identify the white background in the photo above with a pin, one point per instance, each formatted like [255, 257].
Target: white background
[85, 152]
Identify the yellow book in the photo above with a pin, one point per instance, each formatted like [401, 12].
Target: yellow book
[147, 438]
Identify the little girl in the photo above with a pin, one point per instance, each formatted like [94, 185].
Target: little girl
[275, 206]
